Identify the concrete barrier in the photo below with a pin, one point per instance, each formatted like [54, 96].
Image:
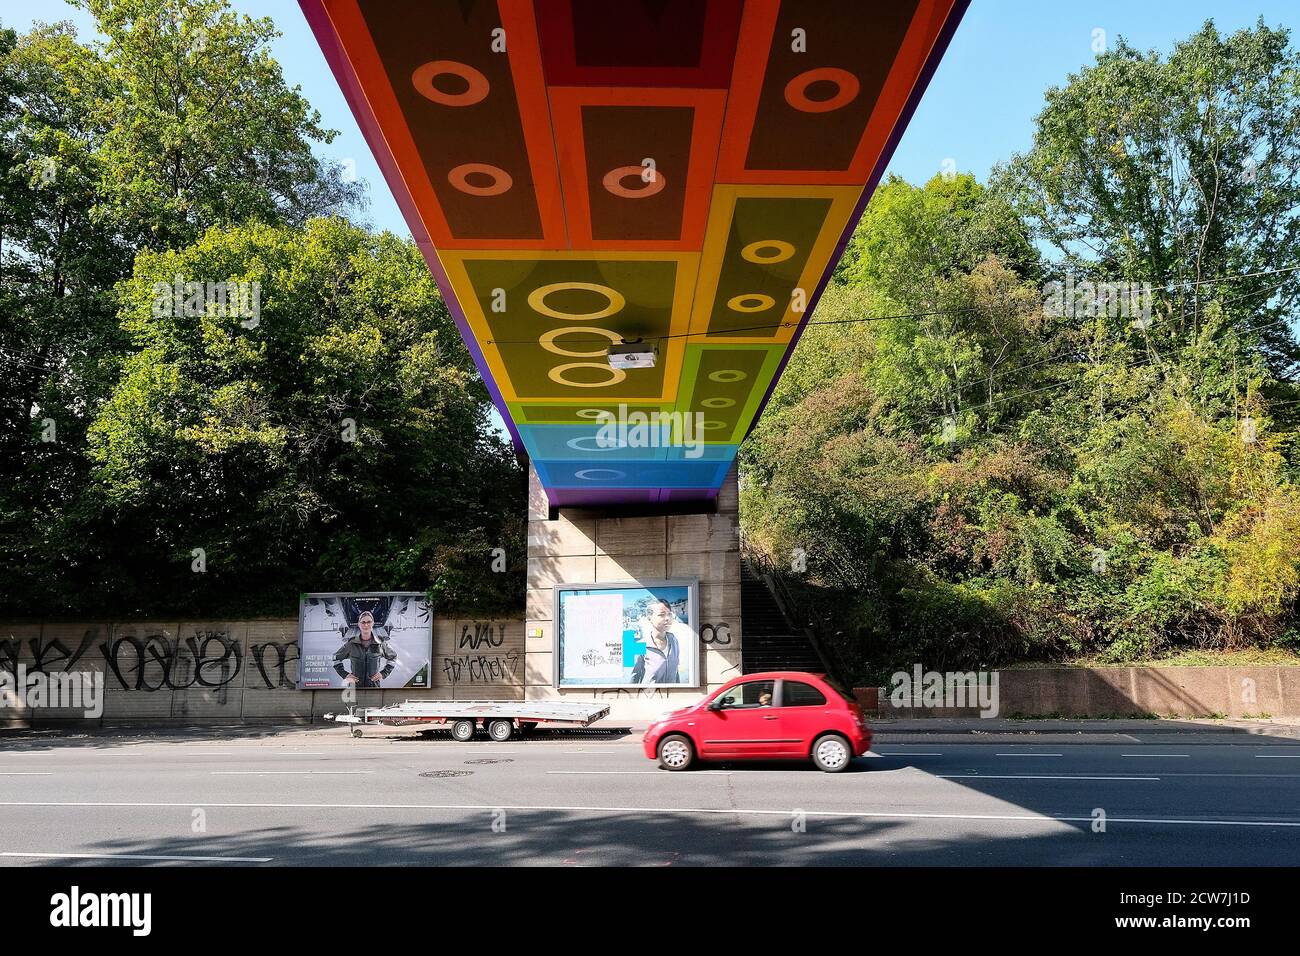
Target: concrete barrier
[1124, 692]
[238, 671]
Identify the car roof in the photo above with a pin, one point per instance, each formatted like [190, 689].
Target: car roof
[774, 675]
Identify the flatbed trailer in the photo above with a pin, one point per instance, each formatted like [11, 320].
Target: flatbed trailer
[502, 718]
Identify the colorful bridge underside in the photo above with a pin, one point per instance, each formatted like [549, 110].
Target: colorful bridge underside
[684, 172]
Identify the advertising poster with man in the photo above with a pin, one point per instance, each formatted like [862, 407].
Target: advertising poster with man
[366, 640]
[627, 636]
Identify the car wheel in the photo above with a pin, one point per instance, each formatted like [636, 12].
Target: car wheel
[831, 753]
[500, 730]
[462, 730]
[676, 752]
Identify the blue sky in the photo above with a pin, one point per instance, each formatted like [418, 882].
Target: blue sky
[979, 108]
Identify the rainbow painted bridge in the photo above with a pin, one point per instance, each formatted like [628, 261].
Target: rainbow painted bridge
[679, 175]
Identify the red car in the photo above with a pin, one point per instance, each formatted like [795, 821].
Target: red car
[782, 714]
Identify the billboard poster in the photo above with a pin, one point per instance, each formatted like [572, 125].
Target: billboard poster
[627, 635]
[372, 639]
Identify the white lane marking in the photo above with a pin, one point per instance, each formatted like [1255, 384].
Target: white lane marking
[1155, 755]
[1285, 776]
[138, 856]
[899, 753]
[299, 753]
[674, 811]
[619, 773]
[144, 754]
[25, 773]
[181, 753]
[97, 752]
[1293, 756]
[241, 751]
[1032, 776]
[339, 754]
[1028, 755]
[281, 773]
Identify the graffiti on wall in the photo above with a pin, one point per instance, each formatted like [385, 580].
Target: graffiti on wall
[483, 634]
[276, 663]
[211, 659]
[214, 659]
[481, 668]
[47, 655]
[718, 635]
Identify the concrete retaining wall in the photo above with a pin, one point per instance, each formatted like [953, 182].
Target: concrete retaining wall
[241, 670]
[1136, 691]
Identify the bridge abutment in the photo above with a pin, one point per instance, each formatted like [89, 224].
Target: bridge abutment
[575, 546]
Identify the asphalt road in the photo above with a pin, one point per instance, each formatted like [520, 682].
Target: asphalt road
[322, 798]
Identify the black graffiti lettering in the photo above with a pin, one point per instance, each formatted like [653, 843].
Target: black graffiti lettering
[141, 649]
[156, 649]
[203, 664]
[273, 661]
[483, 634]
[719, 634]
[633, 693]
[47, 655]
[481, 668]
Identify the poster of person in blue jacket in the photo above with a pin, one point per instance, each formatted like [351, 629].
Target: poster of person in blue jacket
[627, 636]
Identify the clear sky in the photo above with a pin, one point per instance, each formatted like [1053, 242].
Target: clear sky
[979, 108]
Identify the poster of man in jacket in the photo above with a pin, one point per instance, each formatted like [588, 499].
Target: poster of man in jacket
[365, 640]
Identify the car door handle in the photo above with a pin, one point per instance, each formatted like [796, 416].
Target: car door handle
[765, 717]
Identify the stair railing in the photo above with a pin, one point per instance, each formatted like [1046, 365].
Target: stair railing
[786, 604]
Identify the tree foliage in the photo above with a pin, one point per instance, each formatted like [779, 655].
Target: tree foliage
[975, 477]
[170, 146]
[339, 443]
[1180, 170]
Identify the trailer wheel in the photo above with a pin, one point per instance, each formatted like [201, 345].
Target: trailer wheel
[462, 730]
[501, 730]
[356, 731]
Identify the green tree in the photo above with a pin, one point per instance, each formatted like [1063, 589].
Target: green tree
[1180, 170]
[910, 237]
[199, 127]
[175, 121]
[333, 437]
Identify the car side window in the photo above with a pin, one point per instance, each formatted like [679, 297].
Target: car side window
[798, 694]
[755, 693]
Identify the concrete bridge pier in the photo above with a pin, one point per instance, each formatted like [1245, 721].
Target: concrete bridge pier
[568, 546]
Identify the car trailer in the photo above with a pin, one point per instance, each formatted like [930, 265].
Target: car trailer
[502, 718]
